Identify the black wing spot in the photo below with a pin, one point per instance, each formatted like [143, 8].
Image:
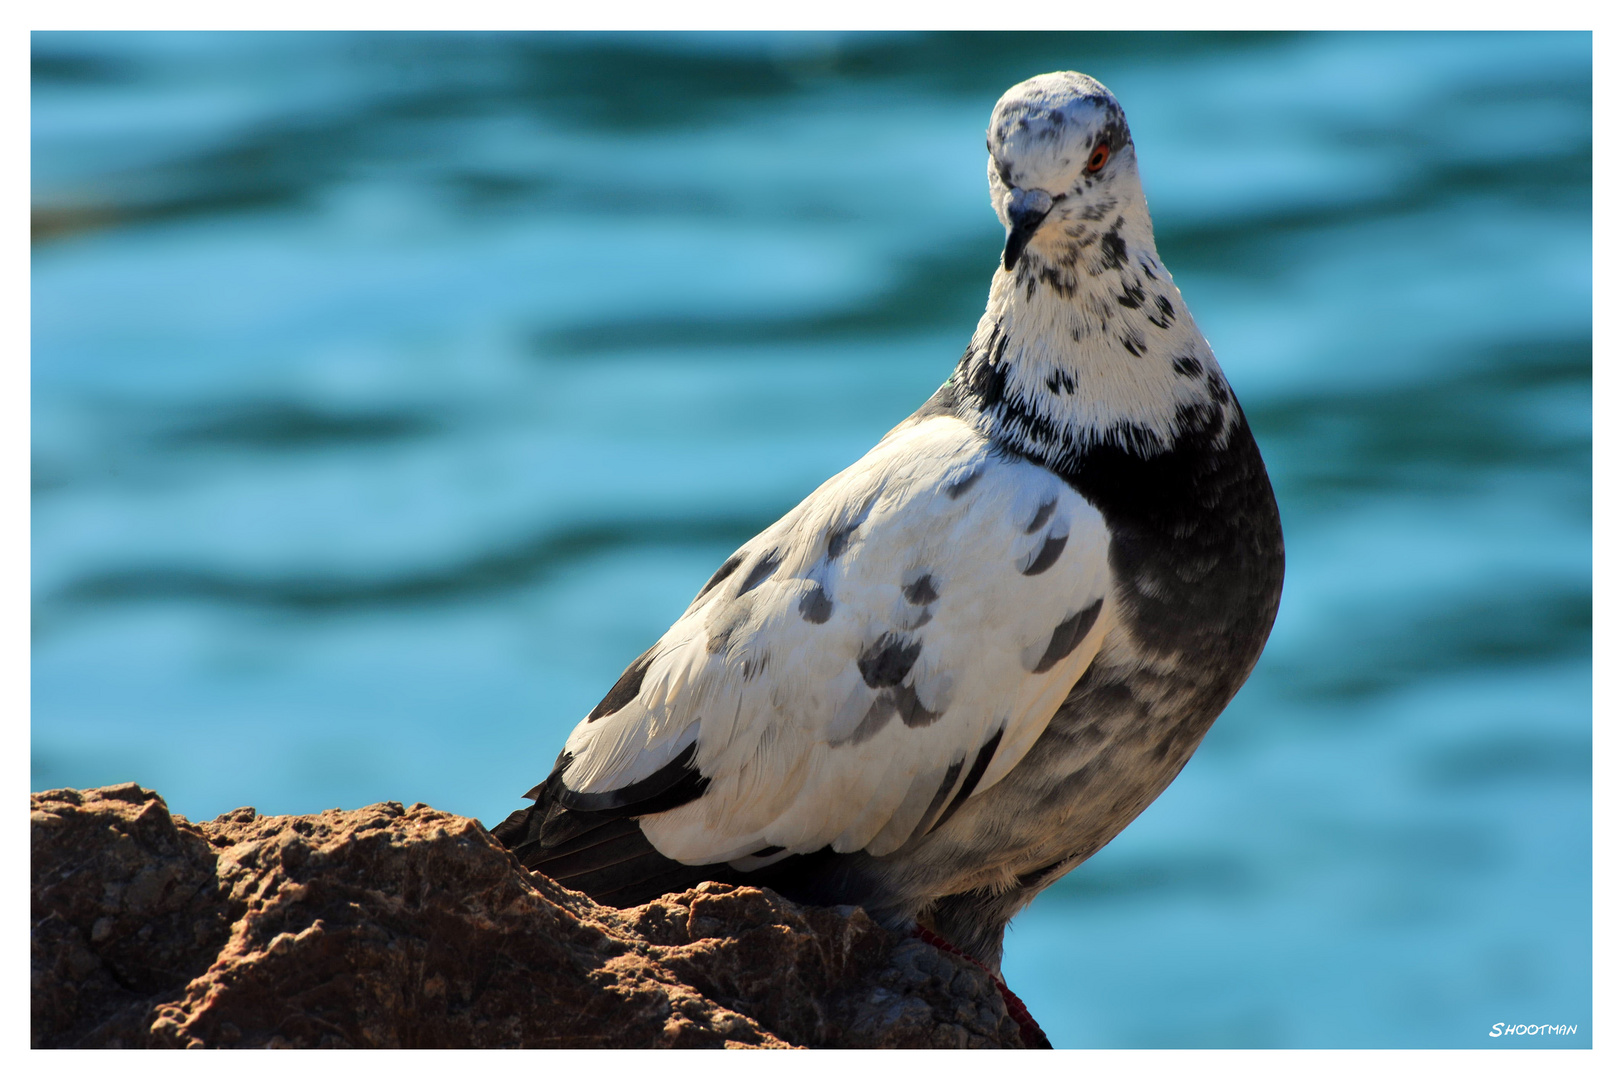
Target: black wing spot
[877, 716]
[1067, 636]
[1044, 512]
[921, 591]
[1187, 366]
[887, 661]
[815, 606]
[976, 771]
[763, 570]
[722, 574]
[1047, 557]
[625, 689]
[911, 709]
[839, 540]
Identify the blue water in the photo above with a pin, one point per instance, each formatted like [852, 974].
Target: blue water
[391, 392]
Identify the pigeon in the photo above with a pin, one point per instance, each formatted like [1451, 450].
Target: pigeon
[965, 663]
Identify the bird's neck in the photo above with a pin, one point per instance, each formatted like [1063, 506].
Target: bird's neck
[1087, 342]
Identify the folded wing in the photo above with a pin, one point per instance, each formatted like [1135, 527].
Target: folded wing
[850, 676]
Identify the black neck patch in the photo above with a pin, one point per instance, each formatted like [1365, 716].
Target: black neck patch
[1196, 545]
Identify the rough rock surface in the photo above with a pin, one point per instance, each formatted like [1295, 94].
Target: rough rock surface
[396, 927]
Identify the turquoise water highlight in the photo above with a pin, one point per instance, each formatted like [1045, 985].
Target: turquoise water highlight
[391, 392]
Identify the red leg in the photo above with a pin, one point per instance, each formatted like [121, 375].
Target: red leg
[1030, 1033]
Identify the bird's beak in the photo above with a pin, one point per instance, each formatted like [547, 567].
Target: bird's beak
[1026, 209]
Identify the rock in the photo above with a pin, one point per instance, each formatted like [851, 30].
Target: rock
[396, 927]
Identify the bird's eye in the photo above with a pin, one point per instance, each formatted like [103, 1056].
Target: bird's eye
[1101, 154]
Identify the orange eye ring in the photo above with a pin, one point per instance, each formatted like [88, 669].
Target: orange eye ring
[1101, 154]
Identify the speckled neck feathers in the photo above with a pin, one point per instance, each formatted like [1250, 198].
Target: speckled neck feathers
[1088, 342]
[1085, 341]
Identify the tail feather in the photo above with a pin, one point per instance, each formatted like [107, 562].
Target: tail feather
[627, 844]
[604, 856]
[603, 852]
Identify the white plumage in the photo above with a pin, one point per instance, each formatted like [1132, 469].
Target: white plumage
[957, 565]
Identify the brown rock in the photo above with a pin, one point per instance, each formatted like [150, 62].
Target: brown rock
[391, 927]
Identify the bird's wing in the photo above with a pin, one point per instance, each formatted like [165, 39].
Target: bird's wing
[894, 644]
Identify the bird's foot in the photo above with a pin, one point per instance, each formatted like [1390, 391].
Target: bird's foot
[1030, 1033]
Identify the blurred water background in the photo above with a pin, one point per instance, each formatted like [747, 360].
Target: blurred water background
[391, 392]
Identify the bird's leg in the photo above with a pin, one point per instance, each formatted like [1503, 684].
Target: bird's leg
[1030, 1033]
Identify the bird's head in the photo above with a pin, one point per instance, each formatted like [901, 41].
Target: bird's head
[1060, 153]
